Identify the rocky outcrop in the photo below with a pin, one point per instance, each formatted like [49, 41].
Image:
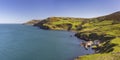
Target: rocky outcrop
[41, 25]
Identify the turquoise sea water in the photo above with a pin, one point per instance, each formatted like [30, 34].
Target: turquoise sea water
[22, 42]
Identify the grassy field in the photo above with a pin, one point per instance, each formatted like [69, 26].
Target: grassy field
[63, 23]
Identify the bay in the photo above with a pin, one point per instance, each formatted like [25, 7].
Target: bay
[23, 42]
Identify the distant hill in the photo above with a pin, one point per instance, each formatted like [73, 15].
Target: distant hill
[32, 22]
[113, 16]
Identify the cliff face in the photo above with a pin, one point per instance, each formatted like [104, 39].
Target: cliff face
[41, 25]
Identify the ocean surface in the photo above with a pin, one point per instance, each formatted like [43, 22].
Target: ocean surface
[22, 42]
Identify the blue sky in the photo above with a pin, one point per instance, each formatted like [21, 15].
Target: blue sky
[19, 11]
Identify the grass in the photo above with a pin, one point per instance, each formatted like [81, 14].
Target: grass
[99, 57]
[54, 21]
[108, 50]
[116, 41]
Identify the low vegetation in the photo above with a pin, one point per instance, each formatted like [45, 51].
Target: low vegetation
[61, 23]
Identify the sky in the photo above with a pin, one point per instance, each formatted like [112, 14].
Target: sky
[20, 11]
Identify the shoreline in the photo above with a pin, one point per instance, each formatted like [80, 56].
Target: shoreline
[73, 35]
[72, 31]
[103, 32]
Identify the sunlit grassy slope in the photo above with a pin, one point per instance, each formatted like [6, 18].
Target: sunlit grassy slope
[107, 31]
[63, 23]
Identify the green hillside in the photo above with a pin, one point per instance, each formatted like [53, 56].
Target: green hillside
[60, 23]
[106, 29]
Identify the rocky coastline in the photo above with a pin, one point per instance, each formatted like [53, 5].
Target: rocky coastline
[105, 29]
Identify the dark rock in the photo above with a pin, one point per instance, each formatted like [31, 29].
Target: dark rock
[40, 25]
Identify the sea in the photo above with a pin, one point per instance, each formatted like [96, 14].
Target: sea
[25, 42]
